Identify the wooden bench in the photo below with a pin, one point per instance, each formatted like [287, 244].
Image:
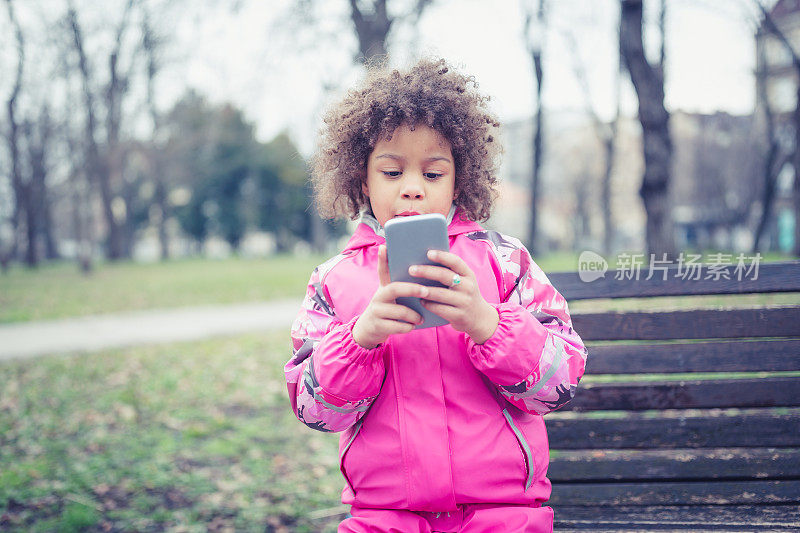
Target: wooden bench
[716, 448]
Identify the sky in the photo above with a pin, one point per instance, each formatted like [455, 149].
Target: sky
[283, 74]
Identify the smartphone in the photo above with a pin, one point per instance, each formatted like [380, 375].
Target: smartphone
[408, 240]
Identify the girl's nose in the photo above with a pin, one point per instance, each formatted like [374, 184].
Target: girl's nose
[412, 189]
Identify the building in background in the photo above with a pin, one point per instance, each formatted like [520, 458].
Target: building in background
[715, 182]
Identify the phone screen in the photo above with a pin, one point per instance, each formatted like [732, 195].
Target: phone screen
[408, 240]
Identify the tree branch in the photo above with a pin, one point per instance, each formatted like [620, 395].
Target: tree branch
[773, 29]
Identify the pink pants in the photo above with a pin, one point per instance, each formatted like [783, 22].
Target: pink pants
[478, 518]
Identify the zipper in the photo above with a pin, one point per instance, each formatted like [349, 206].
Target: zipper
[356, 429]
[526, 449]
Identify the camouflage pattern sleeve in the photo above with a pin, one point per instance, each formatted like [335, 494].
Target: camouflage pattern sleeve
[332, 380]
[534, 358]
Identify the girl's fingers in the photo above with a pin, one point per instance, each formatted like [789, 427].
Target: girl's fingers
[395, 312]
[446, 311]
[391, 327]
[441, 274]
[451, 261]
[446, 296]
[398, 289]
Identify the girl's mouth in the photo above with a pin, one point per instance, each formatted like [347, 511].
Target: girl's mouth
[407, 214]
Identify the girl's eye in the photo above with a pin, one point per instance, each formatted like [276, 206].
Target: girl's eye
[391, 173]
[433, 175]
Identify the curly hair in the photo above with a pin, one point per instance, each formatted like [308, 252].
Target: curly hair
[429, 93]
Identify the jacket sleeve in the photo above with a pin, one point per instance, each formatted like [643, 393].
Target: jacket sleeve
[331, 379]
[534, 357]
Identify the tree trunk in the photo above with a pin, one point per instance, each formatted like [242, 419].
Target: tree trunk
[161, 202]
[654, 118]
[39, 147]
[119, 237]
[771, 170]
[37, 141]
[97, 168]
[105, 166]
[371, 29]
[608, 220]
[581, 228]
[150, 43]
[610, 146]
[50, 248]
[535, 46]
[796, 163]
[83, 231]
[606, 134]
[319, 233]
[17, 184]
[81, 218]
[536, 163]
[31, 229]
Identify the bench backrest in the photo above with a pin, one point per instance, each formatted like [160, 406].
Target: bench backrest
[696, 407]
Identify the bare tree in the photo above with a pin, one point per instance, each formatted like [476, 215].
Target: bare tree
[79, 192]
[118, 82]
[774, 169]
[104, 159]
[372, 24]
[150, 45]
[39, 134]
[775, 158]
[648, 80]
[534, 31]
[30, 141]
[94, 163]
[17, 184]
[606, 134]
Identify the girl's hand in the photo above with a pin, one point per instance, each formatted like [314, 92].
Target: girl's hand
[462, 304]
[383, 316]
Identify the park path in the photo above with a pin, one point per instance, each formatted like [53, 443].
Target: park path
[100, 332]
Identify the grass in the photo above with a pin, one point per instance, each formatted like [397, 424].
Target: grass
[60, 290]
[181, 437]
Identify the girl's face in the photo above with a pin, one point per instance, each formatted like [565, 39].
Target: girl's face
[412, 174]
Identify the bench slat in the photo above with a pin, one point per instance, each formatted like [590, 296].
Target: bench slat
[676, 493]
[696, 324]
[772, 277]
[722, 356]
[683, 464]
[693, 455]
[691, 431]
[638, 396]
[695, 518]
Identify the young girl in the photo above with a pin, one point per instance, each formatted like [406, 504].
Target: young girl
[443, 426]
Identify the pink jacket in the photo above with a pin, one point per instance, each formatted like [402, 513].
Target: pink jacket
[432, 420]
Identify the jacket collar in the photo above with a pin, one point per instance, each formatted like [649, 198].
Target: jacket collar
[369, 232]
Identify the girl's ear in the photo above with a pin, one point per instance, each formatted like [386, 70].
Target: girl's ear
[365, 189]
